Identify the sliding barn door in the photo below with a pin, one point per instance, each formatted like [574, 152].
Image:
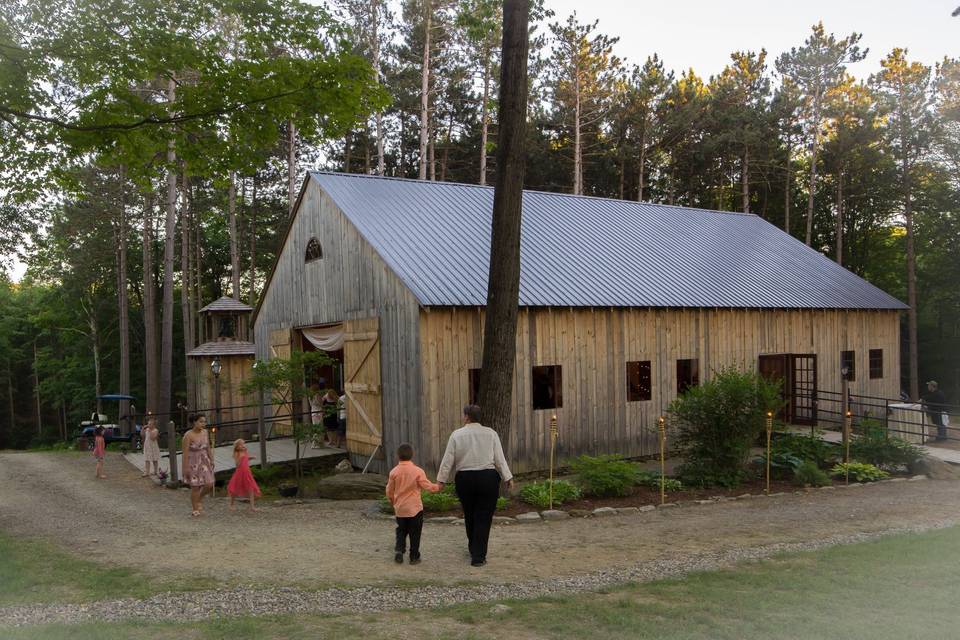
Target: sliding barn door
[281, 347]
[361, 361]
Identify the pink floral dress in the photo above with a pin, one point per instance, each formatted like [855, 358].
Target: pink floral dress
[199, 464]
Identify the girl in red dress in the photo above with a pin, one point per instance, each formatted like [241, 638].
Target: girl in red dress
[242, 483]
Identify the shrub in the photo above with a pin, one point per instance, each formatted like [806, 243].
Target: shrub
[859, 471]
[384, 505]
[609, 475]
[875, 446]
[718, 421]
[445, 500]
[268, 475]
[652, 480]
[782, 464]
[803, 447]
[502, 503]
[538, 493]
[808, 473]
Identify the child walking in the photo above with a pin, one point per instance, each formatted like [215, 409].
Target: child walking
[403, 490]
[99, 451]
[242, 484]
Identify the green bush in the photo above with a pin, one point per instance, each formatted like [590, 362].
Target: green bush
[502, 503]
[652, 480]
[808, 473]
[608, 475]
[718, 421]
[875, 446]
[385, 506]
[803, 447]
[782, 464]
[538, 493]
[859, 472]
[268, 475]
[443, 501]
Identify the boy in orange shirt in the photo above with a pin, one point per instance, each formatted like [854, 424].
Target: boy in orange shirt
[403, 491]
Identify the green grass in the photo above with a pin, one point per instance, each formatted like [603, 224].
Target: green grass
[33, 571]
[902, 587]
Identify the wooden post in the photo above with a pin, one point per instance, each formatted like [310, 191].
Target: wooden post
[261, 436]
[769, 434]
[213, 451]
[173, 475]
[847, 417]
[844, 401]
[553, 446]
[662, 425]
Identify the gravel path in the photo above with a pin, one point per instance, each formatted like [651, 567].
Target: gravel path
[182, 607]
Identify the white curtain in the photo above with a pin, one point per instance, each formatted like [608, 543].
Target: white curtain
[325, 338]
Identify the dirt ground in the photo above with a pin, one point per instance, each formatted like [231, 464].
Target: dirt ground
[127, 520]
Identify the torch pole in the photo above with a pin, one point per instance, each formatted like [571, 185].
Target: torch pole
[553, 446]
[662, 426]
[769, 434]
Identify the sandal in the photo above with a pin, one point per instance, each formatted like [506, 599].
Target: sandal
[195, 514]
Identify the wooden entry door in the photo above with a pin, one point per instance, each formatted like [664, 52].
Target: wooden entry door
[774, 368]
[361, 361]
[803, 388]
[281, 346]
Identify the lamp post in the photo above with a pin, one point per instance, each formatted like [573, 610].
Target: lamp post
[662, 428]
[769, 433]
[553, 446]
[844, 401]
[215, 369]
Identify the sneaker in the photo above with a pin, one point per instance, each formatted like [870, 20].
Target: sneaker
[398, 558]
[415, 560]
[478, 563]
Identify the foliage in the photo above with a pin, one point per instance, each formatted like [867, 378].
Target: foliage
[875, 446]
[718, 421]
[805, 447]
[808, 473]
[443, 500]
[607, 475]
[502, 503]
[859, 471]
[538, 493]
[268, 475]
[652, 480]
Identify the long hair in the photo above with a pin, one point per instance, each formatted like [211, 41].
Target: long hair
[236, 448]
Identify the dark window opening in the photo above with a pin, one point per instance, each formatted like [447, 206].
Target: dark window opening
[473, 376]
[688, 374]
[547, 387]
[876, 364]
[314, 250]
[638, 381]
[848, 361]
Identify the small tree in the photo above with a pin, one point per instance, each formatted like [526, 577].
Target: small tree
[286, 378]
[718, 421]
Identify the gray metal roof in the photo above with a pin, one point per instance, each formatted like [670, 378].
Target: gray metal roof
[226, 303]
[223, 348]
[584, 251]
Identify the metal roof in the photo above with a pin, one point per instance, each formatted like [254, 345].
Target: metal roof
[226, 303]
[585, 251]
[224, 348]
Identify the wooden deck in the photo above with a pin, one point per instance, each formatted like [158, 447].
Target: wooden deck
[279, 450]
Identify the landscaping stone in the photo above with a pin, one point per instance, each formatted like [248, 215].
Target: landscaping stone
[530, 516]
[343, 466]
[554, 514]
[917, 477]
[646, 507]
[745, 496]
[457, 522]
[628, 511]
[580, 513]
[828, 488]
[603, 512]
[703, 501]
[352, 486]
[500, 609]
[668, 505]
[504, 520]
[935, 469]
[444, 519]
[778, 493]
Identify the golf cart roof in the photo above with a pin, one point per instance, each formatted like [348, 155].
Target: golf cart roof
[115, 397]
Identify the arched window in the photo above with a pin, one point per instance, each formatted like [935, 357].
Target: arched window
[314, 251]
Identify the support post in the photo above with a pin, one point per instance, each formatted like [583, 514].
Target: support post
[261, 435]
[662, 426]
[847, 419]
[173, 474]
[769, 434]
[553, 446]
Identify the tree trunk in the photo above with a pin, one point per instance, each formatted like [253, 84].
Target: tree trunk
[813, 169]
[745, 180]
[500, 328]
[347, 151]
[291, 166]
[36, 385]
[375, 46]
[425, 92]
[484, 119]
[839, 248]
[643, 162]
[432, 150]
[786, 188]
[252, 298]
[149, 307]
[166, 319]
[234, 240]
[185, 290]
[577, 168]
[122, 299]
[911, 287]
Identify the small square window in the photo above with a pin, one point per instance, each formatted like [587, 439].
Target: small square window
[688, 374]
[638, 381]
[876, 364]
[848, 361]
[547, 387]
[473, 376]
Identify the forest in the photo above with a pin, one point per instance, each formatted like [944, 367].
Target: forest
[150, 154]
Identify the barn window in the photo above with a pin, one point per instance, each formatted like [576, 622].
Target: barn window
[848, 361]
[876, 364]
[547, 387]
[473, 376]
[688, 374]
[638, 381]
[314, 251]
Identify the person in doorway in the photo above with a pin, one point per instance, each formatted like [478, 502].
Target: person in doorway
[151, 447]
[342, 418]
[99, 451]
[316, 410]
[474, 458]
[329, 403]
[197, 471]
[406, 482]
[242, 484]
[935, 404]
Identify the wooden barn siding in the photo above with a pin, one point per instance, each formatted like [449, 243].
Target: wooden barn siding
[593, 346]
[351, 281]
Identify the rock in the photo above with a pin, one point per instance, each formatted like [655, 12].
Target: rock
[744, 496]
[646, 507]
[444, 519]
[343, 466]
[703, 501]
[935, 469]
[603, 512]
[504, 520]
[500, 609]
[580, 513]
[668, 505]
[554, 514]
[628, 511]
[352, 486]
[458, 522]
[778, 493]
[827, 488]
[530, 516]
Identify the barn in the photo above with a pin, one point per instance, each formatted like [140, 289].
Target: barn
[622, 306]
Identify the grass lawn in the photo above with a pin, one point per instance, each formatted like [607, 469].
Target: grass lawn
[902, 587]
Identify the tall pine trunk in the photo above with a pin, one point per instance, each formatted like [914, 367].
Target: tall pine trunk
[577, 158]
[745, 180]
[484, 119]
[122, 298]
[786, 187]
[913, 361]
[840, 217]
[234, 240]
[375, 46]
[149, 308]
[808, 238]
[500, 328]
[186, 286]
[169, 233]
[425, 93]
[643, 162]
[252, 298]
[291, 165]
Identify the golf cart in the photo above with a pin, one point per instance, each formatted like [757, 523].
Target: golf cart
[123, 430]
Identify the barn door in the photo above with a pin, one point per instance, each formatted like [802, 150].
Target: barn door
[280, 347]
[361, 361]
[803, 388]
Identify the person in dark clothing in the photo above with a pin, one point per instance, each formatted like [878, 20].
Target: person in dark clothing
[934, 403]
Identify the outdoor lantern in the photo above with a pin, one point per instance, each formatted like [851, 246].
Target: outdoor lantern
[216, 367]
[845, 372]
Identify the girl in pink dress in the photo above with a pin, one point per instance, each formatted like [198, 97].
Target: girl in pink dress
[99, 451]
[197, 470]
[242, 484]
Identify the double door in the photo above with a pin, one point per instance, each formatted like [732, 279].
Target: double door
[797, 375]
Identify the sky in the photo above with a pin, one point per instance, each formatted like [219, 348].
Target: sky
[702, 33]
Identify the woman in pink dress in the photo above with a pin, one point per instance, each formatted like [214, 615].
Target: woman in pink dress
[242, 484]
[99, 451]
[197, 469]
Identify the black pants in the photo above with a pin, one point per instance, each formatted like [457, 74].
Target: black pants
[413, 527]
[478, 492]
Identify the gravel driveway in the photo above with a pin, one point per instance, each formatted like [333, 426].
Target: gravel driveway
[290, 554]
